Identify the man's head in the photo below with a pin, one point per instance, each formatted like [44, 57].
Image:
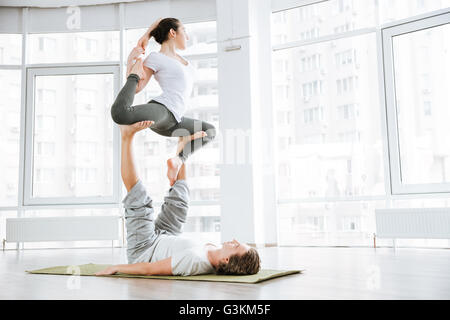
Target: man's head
[171, 29]
[238, 258]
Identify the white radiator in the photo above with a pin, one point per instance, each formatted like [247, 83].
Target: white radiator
[413, 223]
[62, 228]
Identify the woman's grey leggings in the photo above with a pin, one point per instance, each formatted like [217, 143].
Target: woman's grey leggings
[123, 112]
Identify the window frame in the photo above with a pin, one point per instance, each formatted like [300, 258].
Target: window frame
[31, 73]
[387, 34]
[389, 195]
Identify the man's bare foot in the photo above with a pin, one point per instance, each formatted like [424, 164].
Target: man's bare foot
[174, 164]
[138, 68]
[128, 130]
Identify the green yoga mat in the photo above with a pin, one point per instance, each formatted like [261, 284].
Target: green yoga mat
[91, 268]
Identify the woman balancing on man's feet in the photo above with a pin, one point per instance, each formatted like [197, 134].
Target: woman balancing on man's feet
[175, 77]
[155, 246]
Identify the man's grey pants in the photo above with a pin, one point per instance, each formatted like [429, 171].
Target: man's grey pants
[143, 232]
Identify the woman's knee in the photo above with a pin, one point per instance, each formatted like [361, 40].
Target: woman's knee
[116, 112]
[115, 117]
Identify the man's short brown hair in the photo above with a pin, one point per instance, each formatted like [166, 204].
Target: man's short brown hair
[248, 263]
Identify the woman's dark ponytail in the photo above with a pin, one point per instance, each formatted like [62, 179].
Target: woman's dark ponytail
[161, 32]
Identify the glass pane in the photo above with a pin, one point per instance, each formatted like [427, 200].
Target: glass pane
[202, 38]
[338, 16]
[328, 122]
[391, 10]
[203, 223]
[9, 136]
[321, 19]
[10, 49]
[72, 136]
[422, 75]
[73, 47]
[344, 223]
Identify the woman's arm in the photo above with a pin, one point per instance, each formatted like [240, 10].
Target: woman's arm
[129, 67]
[134, 54]
[143, 82]
[143, 41]
[161, 267]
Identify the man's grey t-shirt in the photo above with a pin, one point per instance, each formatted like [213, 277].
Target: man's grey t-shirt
[189, 257]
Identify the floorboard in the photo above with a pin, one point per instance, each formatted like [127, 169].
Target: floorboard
[331, 273]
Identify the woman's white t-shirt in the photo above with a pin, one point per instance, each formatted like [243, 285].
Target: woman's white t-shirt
[175, 79]
[189, 257]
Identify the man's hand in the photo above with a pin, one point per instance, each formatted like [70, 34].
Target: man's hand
[107, 271]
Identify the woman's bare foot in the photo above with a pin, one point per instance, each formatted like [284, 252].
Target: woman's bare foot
[174, 164]
[182, 141]
[128, 130]
[138, 68]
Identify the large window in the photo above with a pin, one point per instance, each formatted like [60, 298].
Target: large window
[9, 136]
[70, 146]
[332, 147]
[334, 223]
[418, 56]
[10, 90]
[332, 168]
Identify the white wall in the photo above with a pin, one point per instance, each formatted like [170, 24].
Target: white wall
[247, 181]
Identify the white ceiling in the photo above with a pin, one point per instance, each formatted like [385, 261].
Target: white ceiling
[58, 3]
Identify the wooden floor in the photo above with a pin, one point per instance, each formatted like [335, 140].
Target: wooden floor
[331, 273]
